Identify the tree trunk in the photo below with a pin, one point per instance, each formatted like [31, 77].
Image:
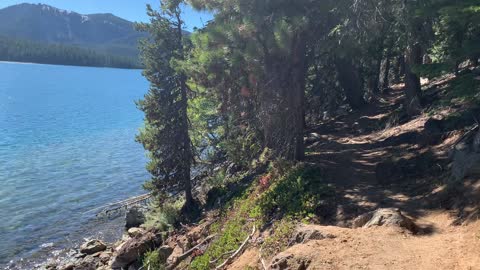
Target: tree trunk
[402, 66]
[282, 102]
[187, 148]
[413, 89]
[395, 71]
[385, 71]
[350, 81]
[184, 135]
[374, 78]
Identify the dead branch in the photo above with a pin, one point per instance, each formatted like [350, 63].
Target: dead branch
[239, 250]
[221, 256]
[185, 255]
[261, 259]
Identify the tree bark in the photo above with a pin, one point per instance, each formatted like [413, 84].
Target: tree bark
[374, 78]
[385, 71]
[413, 89]
[282, 101]
[184, 135]
[350, 81]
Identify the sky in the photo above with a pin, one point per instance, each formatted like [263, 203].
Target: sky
[132, 10]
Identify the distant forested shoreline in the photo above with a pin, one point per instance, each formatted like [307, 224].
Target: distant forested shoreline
[16, 50]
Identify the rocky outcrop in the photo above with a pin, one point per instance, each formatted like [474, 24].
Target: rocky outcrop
[135, 217]
[128, 252]
[285, 261]
[385, 217]
[304, 234]
[92, 246]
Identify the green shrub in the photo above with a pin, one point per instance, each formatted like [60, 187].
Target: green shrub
[432, 70]
[297, 193]
[236, 226]
[278, 241]
[163, 217]
[151, 261]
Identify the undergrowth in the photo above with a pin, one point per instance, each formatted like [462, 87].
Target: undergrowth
[278, 240]
[151, 261]
[463, 89]
[235, 225]
[163, 217]
[298, 193]
[286, 193]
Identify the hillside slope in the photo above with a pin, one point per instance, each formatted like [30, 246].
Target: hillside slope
[45, 24]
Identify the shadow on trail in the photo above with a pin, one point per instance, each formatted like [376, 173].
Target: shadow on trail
[401, 170]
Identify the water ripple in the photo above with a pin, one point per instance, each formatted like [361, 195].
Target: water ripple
[66, 146]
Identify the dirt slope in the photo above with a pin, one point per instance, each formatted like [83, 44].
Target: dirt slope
[387, 248]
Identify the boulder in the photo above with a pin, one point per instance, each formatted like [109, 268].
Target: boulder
[137, 265]
[285, 261]
[466, 159]
[134, 248]
[135, 216]
[304, 234]
[92, 246]
[385, 217]
[134, 232]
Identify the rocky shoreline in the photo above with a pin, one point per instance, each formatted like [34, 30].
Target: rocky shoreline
[98, 254]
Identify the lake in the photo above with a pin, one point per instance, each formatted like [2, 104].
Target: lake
[67, 145]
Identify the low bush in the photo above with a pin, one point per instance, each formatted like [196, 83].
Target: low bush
[297, 193]
[233, 228]
[163, 217]
[151, 261]
[278, 240]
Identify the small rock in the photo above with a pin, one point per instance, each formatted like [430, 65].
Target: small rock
[105, 257]
[88, 263]
[69, 266]
[134, 232]
[92, 246]
[385, 217]
[305, 234]
[135, 217]
[285, 261]
[164, 253]
[177, 251]
[51, 266]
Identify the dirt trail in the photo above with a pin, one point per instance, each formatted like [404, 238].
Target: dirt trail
[381, 248]
[355, 152]
[374, 161]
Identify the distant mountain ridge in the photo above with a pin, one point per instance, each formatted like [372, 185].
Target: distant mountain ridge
[42, 23]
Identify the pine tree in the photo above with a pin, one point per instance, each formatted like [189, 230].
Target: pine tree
[166, 132]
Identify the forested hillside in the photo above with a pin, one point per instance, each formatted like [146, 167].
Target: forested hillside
[330, 134]
[111, 40]
[56, 54]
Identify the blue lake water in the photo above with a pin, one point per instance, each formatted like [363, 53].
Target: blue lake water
[67, 145]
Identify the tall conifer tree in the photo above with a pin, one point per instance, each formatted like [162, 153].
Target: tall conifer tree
[166, 132]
